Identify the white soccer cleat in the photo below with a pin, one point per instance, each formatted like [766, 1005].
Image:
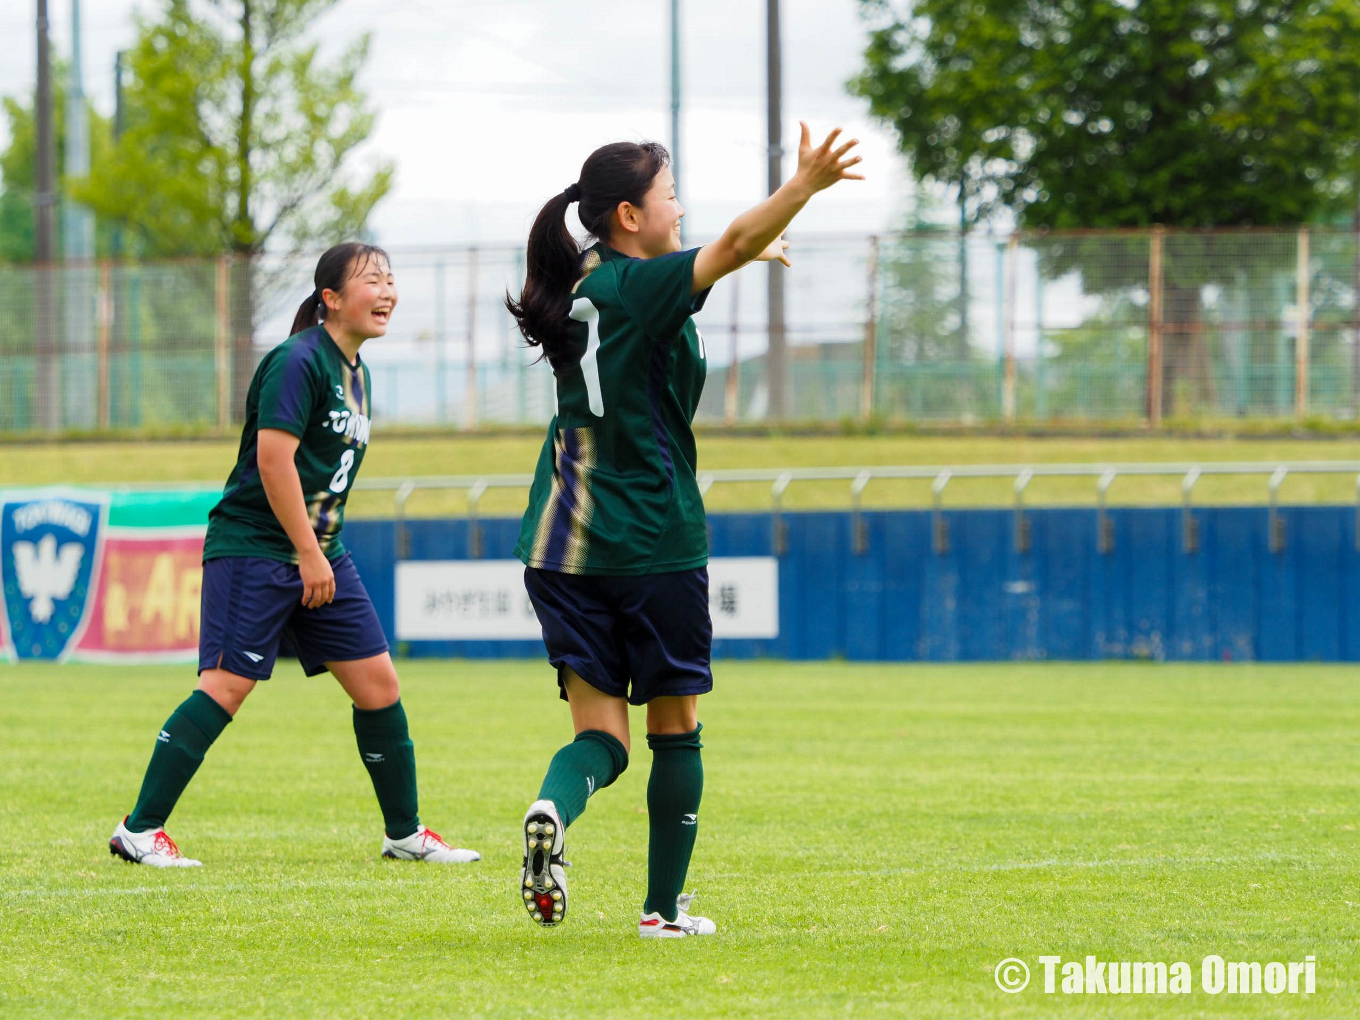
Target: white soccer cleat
[543, 882]
[153, 847]
[427, 845]
[654, 926]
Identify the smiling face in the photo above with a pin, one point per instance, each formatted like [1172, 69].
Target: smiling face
[652, 228]
[363, 306]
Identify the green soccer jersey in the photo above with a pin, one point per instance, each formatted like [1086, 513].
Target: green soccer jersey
[307, 387]
[615, 490]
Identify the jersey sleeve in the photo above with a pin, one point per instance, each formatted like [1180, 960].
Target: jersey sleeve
[288, 389]
[656, 293]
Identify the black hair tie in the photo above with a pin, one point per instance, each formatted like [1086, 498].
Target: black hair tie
[572, 192]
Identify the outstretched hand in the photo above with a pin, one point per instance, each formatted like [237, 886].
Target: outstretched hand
[774, 252]
[824, 166]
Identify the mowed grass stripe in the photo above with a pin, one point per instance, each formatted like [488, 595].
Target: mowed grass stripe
[873, 838]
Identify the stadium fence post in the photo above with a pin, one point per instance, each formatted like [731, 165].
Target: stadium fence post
[1040, 380]
[732, 391]
[1303, 301]
[222, 343]
[105, 305]
[1008, 380]
[866, 402]
[470, 411]
[440, 334]
[1154, 353]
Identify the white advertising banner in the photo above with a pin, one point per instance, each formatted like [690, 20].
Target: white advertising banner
[484, 600]
[743, 596]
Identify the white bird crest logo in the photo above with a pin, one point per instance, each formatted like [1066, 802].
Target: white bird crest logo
[46, 574]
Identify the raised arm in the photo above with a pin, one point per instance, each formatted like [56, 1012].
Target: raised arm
[757, 234]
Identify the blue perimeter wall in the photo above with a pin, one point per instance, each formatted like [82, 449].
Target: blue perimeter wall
[1231, 599]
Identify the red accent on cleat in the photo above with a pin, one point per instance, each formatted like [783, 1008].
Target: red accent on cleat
[650, 924]
[163, 844]
[545, 904]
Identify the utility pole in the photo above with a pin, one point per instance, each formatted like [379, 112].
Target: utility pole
[117, 239]
[45, 200]
[675, 103]
[79, 280]
[776, 359]
[77, 221]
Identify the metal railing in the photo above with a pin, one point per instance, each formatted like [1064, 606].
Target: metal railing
[1273, 473]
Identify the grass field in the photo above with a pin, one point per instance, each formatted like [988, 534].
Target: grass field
[399, 456]
[874, 840]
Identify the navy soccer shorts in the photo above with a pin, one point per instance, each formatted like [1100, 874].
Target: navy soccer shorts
[652, 630]
[252, 608]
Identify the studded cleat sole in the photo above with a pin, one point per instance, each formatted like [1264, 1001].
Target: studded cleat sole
[543, 884]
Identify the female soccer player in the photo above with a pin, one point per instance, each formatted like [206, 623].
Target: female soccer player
[275, 570]
[615, 541]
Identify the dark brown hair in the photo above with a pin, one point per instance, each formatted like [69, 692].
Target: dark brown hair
[619, 172]
[332, 270]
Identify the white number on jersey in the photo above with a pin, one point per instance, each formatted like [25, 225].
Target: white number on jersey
[584, 310]
[341, 478]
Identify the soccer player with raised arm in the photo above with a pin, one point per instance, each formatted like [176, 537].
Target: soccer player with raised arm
[615, 541]
[275, 570]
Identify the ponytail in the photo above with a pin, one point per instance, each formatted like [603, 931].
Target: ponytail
[336, 265]
[553, 260]
[620, 172]
[308, 314]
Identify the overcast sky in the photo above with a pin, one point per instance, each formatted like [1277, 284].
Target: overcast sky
[489, 106]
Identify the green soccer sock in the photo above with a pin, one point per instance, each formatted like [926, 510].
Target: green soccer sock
[390, 757]
[180, 747]
[673, 793]
[590, 762]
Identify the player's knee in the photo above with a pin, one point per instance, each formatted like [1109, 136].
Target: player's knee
[672, 715]
[381, 689]
[227, 689]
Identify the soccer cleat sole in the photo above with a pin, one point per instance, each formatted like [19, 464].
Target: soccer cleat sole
[662, 930]
[118, 850]
[544, 893]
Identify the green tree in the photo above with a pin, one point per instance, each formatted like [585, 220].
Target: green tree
[1127, 113]
[239, 135]
[17, 229]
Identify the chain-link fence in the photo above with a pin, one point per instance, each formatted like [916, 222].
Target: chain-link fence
[924, 326]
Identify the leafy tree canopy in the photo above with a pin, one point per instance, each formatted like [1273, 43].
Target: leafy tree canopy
[238, 134]
[1125, 113]
[17, 174]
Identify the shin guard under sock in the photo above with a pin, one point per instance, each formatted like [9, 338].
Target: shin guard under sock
[390, 757]
[590, 762]
[673, 792]
[180, 747]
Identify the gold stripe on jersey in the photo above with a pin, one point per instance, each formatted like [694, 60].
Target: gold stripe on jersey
[543, 532]
[324, 502]
[353, 404]
[589, 264]
[578, 541]
[583, 506]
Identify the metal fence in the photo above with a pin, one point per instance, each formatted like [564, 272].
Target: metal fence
[926, 326]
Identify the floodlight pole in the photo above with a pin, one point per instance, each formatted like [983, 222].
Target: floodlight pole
[675, 102]
[45, 247]
[117, 240]
[776, 358]
[78, 232]
[45, 195]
